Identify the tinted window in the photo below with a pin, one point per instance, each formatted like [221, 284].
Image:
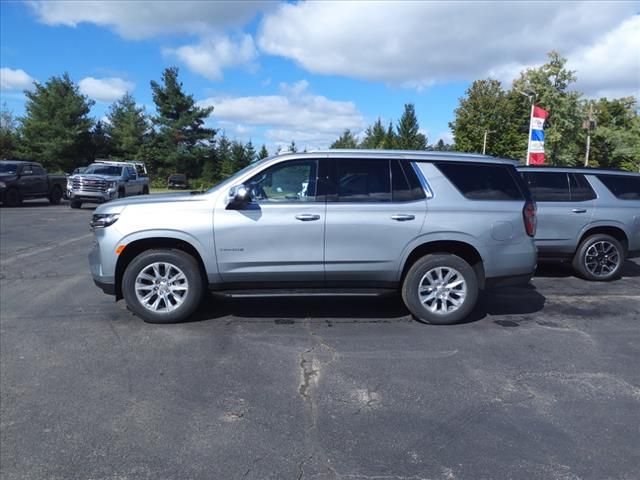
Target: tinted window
[37, 170]
[482, 181]
[9, 168]
[101, 169]
[405, 185]
[363, 180]
[548, 186]
[625, 187]
[580, 188]
[285, 182]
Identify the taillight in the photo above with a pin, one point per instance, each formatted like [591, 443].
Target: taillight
[529, 217]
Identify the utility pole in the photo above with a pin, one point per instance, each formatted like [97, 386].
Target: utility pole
[484, 142]
[589, 125]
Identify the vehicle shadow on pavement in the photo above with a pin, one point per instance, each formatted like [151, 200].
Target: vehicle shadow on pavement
[385, 309]
[563, 270]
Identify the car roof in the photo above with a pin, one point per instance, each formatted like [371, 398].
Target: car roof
[19, 162]
[585, 170]
[411, 155]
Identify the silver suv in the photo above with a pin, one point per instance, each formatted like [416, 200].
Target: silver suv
[437, 227]
[587, 216]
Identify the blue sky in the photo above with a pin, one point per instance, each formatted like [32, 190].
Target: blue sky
[305, 71]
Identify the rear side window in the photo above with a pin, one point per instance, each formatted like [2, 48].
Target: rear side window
[548, 186]
[580, 188]
[481, 181]
[361, 180]
[625, 187]
[37, 170]
[404, 182]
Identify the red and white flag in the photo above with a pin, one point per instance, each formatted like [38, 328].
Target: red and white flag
[535, 151]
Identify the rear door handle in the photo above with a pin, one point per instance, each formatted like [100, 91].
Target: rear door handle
[402, 217]
[579, 210]
[307, 217]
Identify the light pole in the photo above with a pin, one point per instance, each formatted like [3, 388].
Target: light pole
[589, 125]
[484, 142]
[531, 95]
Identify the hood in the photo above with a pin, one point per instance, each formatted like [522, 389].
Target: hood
[120, 204]
[92, 176]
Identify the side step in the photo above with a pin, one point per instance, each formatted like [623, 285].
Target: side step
[306, 292]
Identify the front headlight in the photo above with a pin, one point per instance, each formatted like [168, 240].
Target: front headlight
[112, 185]
[102, 220]
[3, 185]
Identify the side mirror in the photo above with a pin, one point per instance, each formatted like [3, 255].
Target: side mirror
[239, 197]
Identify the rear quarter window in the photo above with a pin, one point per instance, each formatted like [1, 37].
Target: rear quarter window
[625, 187]
[482, 181]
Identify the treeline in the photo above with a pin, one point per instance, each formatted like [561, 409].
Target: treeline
[58, 132]
[503, 115]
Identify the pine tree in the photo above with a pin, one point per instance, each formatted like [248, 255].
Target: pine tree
[409, 136]
[127, 128]
[226, 166]
[390, 139]
[55, 128]
[263, 153]
[238, 155]
[100, 143]
[249, 153]
[8, 133]
[182, 142]
[374, 136]
[346, 140]
[292, 147]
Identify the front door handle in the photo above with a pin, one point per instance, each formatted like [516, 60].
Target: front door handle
[307, 217]
[402, 217]
[579, 210]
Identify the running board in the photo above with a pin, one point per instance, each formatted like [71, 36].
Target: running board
[311, 292]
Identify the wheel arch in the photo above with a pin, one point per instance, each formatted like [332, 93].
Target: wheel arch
[460, 248]
[614, 231]
[135, 248]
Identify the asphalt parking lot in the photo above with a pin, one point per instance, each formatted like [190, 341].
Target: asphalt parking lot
[542, 382]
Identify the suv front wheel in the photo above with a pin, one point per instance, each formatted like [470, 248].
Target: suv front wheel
[599, 257]
[440, 288]
[163, 286]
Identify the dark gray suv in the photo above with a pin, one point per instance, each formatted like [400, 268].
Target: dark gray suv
[436, 227]
[587, 216]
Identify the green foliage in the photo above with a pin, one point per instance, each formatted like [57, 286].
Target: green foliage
[55, 128]
[374, 136]
[263, 153]
[346, 140]
[181, 142]
[292, 147]
[408, 130]
[127, 128]
[100, 144]
[8, 133]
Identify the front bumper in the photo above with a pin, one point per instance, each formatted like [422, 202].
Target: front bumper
[105, 281]
[93, 197]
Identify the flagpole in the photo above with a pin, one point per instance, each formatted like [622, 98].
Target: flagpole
[532, 98]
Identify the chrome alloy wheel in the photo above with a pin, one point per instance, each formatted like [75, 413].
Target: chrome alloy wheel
[601, 259]
[161, 287]
[442, 290]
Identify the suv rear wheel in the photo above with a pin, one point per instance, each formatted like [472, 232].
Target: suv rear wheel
[599, 257]
[163, 286]
[440, 288]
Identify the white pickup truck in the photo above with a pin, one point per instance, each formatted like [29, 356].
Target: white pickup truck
[105, 180]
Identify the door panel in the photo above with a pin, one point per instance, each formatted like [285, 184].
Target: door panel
[279, 237]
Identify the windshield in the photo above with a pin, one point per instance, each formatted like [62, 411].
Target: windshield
[8, 168]
[97, 169]
[239, 173]
[177, 178]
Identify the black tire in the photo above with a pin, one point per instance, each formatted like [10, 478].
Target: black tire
[12, 198]
[56, 196]
[121, 193]
[416, 275]
[75, 204]
[145, 190]
[600, 267]
[177, 258]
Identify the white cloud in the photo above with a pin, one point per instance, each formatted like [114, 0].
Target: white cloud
[136, 19]
[211, 55]
[105, 89]
[294, 114]
[14, 79]
[415, 44]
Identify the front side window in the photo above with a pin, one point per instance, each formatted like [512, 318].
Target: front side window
[294, 181]
[548, 186]
[37, 170]
[361, 180]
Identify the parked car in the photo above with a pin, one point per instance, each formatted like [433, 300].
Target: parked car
[177, 180]
[438, 227]
[21, 180]
[589, 217]
[104, 180]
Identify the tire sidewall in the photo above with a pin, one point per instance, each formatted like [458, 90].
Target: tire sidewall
[184, 262]
[419, 269]
[56, 196]
[579, 263]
